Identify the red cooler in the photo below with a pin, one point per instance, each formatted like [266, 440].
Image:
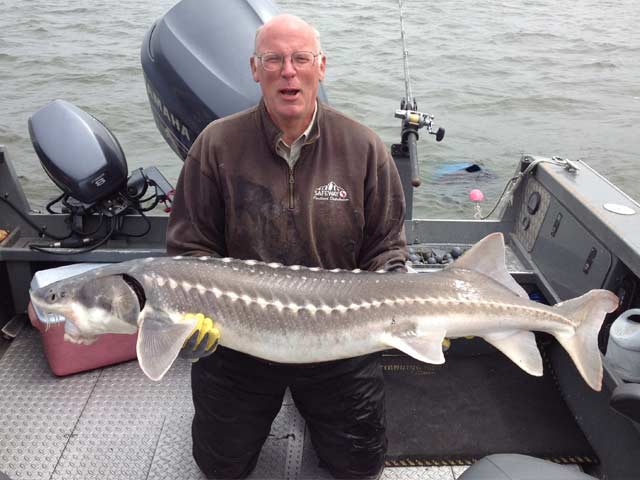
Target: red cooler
[65, 357]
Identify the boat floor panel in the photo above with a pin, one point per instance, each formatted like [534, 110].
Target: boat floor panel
[115, 423]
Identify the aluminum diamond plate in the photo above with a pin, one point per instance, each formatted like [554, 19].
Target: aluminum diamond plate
[418, 473]
[457, 471]
[173, 456]
[296, 441]
[116, 436]
[38, 413]
[171, 462]
[115, 423]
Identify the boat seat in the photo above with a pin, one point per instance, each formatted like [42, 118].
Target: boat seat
[520, 467]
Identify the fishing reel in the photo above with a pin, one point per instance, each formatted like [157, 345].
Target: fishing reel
[414, 120]
[84, 159]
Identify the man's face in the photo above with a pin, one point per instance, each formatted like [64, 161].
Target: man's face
[289, 94]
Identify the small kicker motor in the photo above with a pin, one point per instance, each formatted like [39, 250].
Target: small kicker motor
[85, 160]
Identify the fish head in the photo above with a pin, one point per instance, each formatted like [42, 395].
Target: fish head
[91, 304]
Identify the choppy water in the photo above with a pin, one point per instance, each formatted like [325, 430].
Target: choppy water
[503, 77]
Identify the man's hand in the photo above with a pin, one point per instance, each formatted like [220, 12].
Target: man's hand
[203, 340]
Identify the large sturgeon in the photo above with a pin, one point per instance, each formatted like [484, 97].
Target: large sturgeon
[294, 314]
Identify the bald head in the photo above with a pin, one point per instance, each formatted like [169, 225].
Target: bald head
[287, 22]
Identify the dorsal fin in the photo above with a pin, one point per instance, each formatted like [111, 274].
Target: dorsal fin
[488, 257]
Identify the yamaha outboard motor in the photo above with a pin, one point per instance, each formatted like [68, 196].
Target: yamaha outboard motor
[195, 61]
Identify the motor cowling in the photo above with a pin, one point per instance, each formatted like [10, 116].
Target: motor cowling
[79, 153]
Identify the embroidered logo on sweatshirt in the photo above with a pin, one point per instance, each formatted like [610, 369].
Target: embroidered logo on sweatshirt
[331, 191]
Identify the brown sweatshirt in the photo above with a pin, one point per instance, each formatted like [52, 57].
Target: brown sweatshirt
[341, 206]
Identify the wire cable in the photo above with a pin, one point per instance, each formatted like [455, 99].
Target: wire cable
[514, 181]
[53, 202]
[74, 251]
[121, 221]
[42, 230]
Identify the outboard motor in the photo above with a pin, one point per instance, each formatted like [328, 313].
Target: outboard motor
[78, 152]
[85, 160]
[195, 61]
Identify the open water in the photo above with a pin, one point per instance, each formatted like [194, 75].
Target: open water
[503, 77]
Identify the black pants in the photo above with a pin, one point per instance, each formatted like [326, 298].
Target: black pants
[236, 398]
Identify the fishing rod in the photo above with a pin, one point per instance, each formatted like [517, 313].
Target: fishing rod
[412, 119]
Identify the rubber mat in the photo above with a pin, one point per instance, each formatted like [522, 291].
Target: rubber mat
[476, 405]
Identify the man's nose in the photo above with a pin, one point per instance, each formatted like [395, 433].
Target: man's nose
[288, 70]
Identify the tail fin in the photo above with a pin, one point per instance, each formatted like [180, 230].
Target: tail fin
[587, 313]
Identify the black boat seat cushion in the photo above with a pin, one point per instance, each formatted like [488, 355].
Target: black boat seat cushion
[519, 467]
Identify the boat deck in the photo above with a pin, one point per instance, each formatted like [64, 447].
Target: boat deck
[115, 423]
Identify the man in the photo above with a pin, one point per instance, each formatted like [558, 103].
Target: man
[291, 181]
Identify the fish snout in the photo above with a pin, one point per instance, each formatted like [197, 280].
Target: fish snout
[46, 306]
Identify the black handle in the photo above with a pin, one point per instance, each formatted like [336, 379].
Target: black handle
[412, 145]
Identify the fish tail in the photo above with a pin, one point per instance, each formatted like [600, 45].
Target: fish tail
[587, 312]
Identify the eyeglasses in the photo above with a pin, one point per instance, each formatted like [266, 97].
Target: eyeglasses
[273, 62]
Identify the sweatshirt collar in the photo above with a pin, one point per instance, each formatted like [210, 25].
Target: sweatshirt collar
[273, 133]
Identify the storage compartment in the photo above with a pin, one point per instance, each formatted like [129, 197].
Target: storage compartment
[570, 257]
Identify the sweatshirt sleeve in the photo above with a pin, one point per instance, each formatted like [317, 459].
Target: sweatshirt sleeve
[196, 222]
[384, 245]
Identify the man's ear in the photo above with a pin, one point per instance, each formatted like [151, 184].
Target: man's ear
[323, 66]
[254, 68]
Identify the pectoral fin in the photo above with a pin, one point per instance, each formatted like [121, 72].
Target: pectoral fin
[425, 347]
[159, 344]
[520, 347]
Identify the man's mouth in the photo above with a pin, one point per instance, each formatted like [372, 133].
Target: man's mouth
[289, 93]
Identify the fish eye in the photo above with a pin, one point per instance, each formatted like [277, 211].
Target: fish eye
[52, 297]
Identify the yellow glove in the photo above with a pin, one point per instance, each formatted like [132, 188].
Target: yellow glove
[446, 343]
[203, 340]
